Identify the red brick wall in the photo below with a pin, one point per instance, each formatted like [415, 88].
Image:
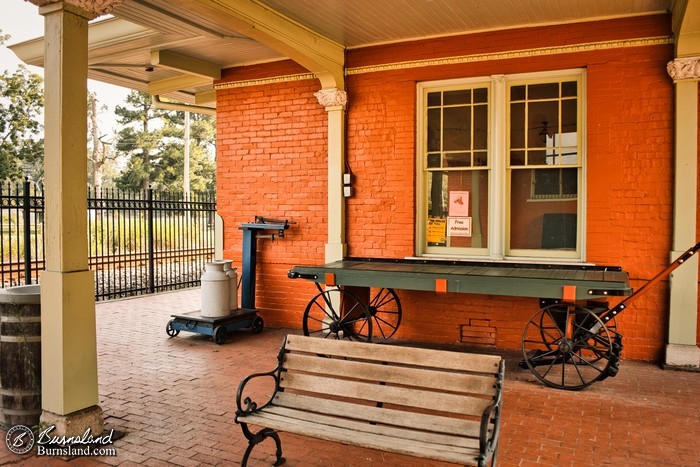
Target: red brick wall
[272, 161]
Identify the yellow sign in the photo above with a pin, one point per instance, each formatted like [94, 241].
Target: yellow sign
[437, 230]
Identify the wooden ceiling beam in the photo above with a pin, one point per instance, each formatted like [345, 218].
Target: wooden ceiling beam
[183, 63]
[176, 83]
[318, 54]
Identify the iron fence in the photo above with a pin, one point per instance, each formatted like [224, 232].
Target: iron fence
[139, 241]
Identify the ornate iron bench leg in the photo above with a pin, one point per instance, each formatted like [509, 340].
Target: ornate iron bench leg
[259, 437]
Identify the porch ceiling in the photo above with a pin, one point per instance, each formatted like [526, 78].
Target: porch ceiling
[175, 48]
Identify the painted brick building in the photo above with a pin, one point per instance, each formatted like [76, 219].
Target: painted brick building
[272, 161]
[555, 132]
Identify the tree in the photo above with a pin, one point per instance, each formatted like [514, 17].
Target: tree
[156, 155]
[100, 151]
[171, 162]
[21, 106]
[137, 140]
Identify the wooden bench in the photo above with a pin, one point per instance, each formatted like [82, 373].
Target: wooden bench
[434, 404]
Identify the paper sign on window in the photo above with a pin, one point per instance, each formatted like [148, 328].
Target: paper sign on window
[437, 230]
[459, 204]
[459, 226]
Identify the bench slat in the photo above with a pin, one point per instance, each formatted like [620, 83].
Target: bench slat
[364, 427]
[369, 413]
[427, 358]
[409, 397]
[433, 379]
[369, 440]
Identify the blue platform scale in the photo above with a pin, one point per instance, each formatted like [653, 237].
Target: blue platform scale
[246, 316]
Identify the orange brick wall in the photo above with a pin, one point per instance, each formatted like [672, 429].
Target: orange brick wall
[272, 161]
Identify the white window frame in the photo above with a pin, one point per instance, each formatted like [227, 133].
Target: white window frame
[499, 187]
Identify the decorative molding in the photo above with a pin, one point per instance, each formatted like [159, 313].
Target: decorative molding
[510, 54]
[684, 68]
[97, 7]
[263, 81]
[331, 97]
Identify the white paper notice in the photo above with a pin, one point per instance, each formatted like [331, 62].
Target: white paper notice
[459, 226]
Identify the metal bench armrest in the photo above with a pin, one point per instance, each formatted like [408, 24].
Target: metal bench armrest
[492, 414]
[246, 406]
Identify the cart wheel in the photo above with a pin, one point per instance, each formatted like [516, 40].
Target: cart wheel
[385, 308]
[566, 346]
[257, 325]
[337, 314]
[219, 335]
[545, 320]
[169, 329]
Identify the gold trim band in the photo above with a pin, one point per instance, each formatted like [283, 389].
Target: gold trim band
[262, 81]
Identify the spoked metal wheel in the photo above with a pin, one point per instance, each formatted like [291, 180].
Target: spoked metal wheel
[169, 329]
[337, 314]
[385, 309]
[566, 346]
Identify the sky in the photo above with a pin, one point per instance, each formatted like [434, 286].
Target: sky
[23, 22]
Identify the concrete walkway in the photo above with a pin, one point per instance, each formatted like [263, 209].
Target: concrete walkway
[173, 401]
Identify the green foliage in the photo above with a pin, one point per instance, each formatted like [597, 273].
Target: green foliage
[21, 105]
[156, 152]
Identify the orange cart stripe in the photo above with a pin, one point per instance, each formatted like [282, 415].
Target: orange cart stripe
[441, 285]
[569, 293]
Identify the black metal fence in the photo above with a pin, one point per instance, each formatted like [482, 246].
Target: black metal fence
[139, 241]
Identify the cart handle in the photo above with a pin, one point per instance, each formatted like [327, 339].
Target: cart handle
[645, 288]
[297, 275]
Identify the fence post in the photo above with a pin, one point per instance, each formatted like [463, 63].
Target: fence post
[26, 212]
[151, 252]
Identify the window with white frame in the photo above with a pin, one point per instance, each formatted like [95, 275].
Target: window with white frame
[500, 167]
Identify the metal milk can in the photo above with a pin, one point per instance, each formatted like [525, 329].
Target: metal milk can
[215, 290]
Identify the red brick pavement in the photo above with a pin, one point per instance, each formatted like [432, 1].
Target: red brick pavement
[173, 398]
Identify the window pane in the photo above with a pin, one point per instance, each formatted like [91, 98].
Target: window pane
[569, 118]
[517, 158]
[569, 181]
[543, 122]
[437, 200]
[543, 91]
[458, 198]
[459, 159]
[569, 156]
[481, 95]
[545, 224]
[434, 129]
[433, 161]
[456, 130]
[517, 126]
[539, 158]
[517, 93]
[456, 97]
[481, 127]
[434, 99]
[481, 159]
[547, 181]
[569, 89]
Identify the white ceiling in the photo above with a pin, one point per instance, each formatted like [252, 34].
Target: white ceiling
[120, 48]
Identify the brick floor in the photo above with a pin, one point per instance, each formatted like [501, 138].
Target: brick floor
[173, 398]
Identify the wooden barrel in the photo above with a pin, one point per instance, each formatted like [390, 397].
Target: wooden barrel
[20, 356]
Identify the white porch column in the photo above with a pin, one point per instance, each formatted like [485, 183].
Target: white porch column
[682, 349]
[69, 349]
[334, 100]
